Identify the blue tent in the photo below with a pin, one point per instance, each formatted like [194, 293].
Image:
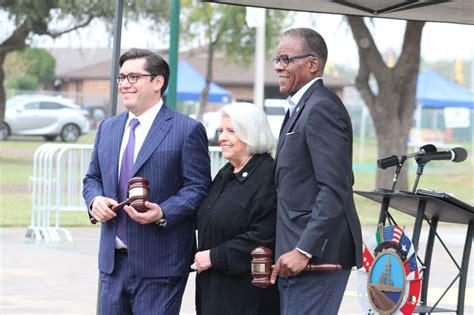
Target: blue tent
[433, 90]
[191, 83]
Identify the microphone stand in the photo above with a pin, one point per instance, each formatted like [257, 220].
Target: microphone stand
[419, 172]
[386, 201]
[397, 172]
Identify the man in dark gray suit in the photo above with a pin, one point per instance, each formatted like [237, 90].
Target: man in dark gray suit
[317, 221]
[144, 258]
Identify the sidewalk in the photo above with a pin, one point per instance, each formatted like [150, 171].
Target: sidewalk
[61, 278]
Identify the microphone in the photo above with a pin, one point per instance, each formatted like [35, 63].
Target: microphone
[394, 160]
[456, 155]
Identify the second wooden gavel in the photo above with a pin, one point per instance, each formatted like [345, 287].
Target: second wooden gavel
[262, 265]
[137, 196]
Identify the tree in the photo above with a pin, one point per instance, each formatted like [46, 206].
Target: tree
[225, 29]
[35, 17]
[57, 17]
[392, 104]
[28, 68]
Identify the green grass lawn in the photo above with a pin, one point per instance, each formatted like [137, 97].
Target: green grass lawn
[16, 167]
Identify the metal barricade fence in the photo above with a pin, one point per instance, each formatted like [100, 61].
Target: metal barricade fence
[56, 185]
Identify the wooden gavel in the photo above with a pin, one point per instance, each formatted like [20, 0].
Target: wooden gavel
[262, 265]
[137, 196]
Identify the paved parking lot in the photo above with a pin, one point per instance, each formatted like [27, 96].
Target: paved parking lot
[61, 277]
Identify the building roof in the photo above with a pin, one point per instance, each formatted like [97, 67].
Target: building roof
[95, 64]
[228, 73]
[69, 60]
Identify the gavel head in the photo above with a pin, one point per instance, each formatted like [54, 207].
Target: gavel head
[261, 266]
[138, 193]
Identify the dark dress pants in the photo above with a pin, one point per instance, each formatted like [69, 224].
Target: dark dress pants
[123, 293]
[313, 293]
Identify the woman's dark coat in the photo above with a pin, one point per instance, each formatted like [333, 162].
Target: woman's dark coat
[238, 215]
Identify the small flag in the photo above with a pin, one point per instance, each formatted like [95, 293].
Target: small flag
[379, 235]
[397, 234]
[373, 242]
[406, 245]
[412, 268]
[392, 233]
[367, 259]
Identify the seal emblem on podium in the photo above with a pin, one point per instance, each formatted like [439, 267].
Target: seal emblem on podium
[390, 280]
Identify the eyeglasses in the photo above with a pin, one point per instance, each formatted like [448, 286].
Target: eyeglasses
[285, 60]
[131, 77]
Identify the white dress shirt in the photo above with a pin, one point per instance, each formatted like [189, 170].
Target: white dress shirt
[294, 100]
[146, 120]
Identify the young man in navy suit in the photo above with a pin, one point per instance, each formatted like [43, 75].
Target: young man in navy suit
[144, 258]
[317, 221]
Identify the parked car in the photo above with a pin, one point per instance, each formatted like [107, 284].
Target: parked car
[47, 116]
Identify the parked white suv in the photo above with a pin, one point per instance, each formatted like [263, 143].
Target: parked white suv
[47, 116]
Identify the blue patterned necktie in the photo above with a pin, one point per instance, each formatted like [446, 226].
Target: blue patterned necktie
[126, 169]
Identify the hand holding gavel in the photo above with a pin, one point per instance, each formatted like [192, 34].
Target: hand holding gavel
[262, 265]
[137, 196]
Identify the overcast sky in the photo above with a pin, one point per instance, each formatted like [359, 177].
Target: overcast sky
[440, 41]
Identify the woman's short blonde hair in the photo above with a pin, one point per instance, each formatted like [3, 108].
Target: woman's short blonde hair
[251, 126]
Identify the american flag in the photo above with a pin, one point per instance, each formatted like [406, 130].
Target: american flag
[392, 233]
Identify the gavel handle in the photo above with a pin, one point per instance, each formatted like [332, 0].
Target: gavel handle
[121, 205]
[323, 267]
[114, 208]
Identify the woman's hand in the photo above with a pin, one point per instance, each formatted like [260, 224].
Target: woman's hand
[202, 260]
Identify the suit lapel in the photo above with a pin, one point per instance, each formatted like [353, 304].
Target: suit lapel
[289, 125]
[295, 116]
[158, 131]
[285, 120]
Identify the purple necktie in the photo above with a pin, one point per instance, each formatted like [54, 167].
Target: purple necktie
[125, 174]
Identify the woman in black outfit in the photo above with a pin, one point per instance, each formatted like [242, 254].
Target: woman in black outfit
[238, 215]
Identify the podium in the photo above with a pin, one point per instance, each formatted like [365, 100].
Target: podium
[431, 207]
